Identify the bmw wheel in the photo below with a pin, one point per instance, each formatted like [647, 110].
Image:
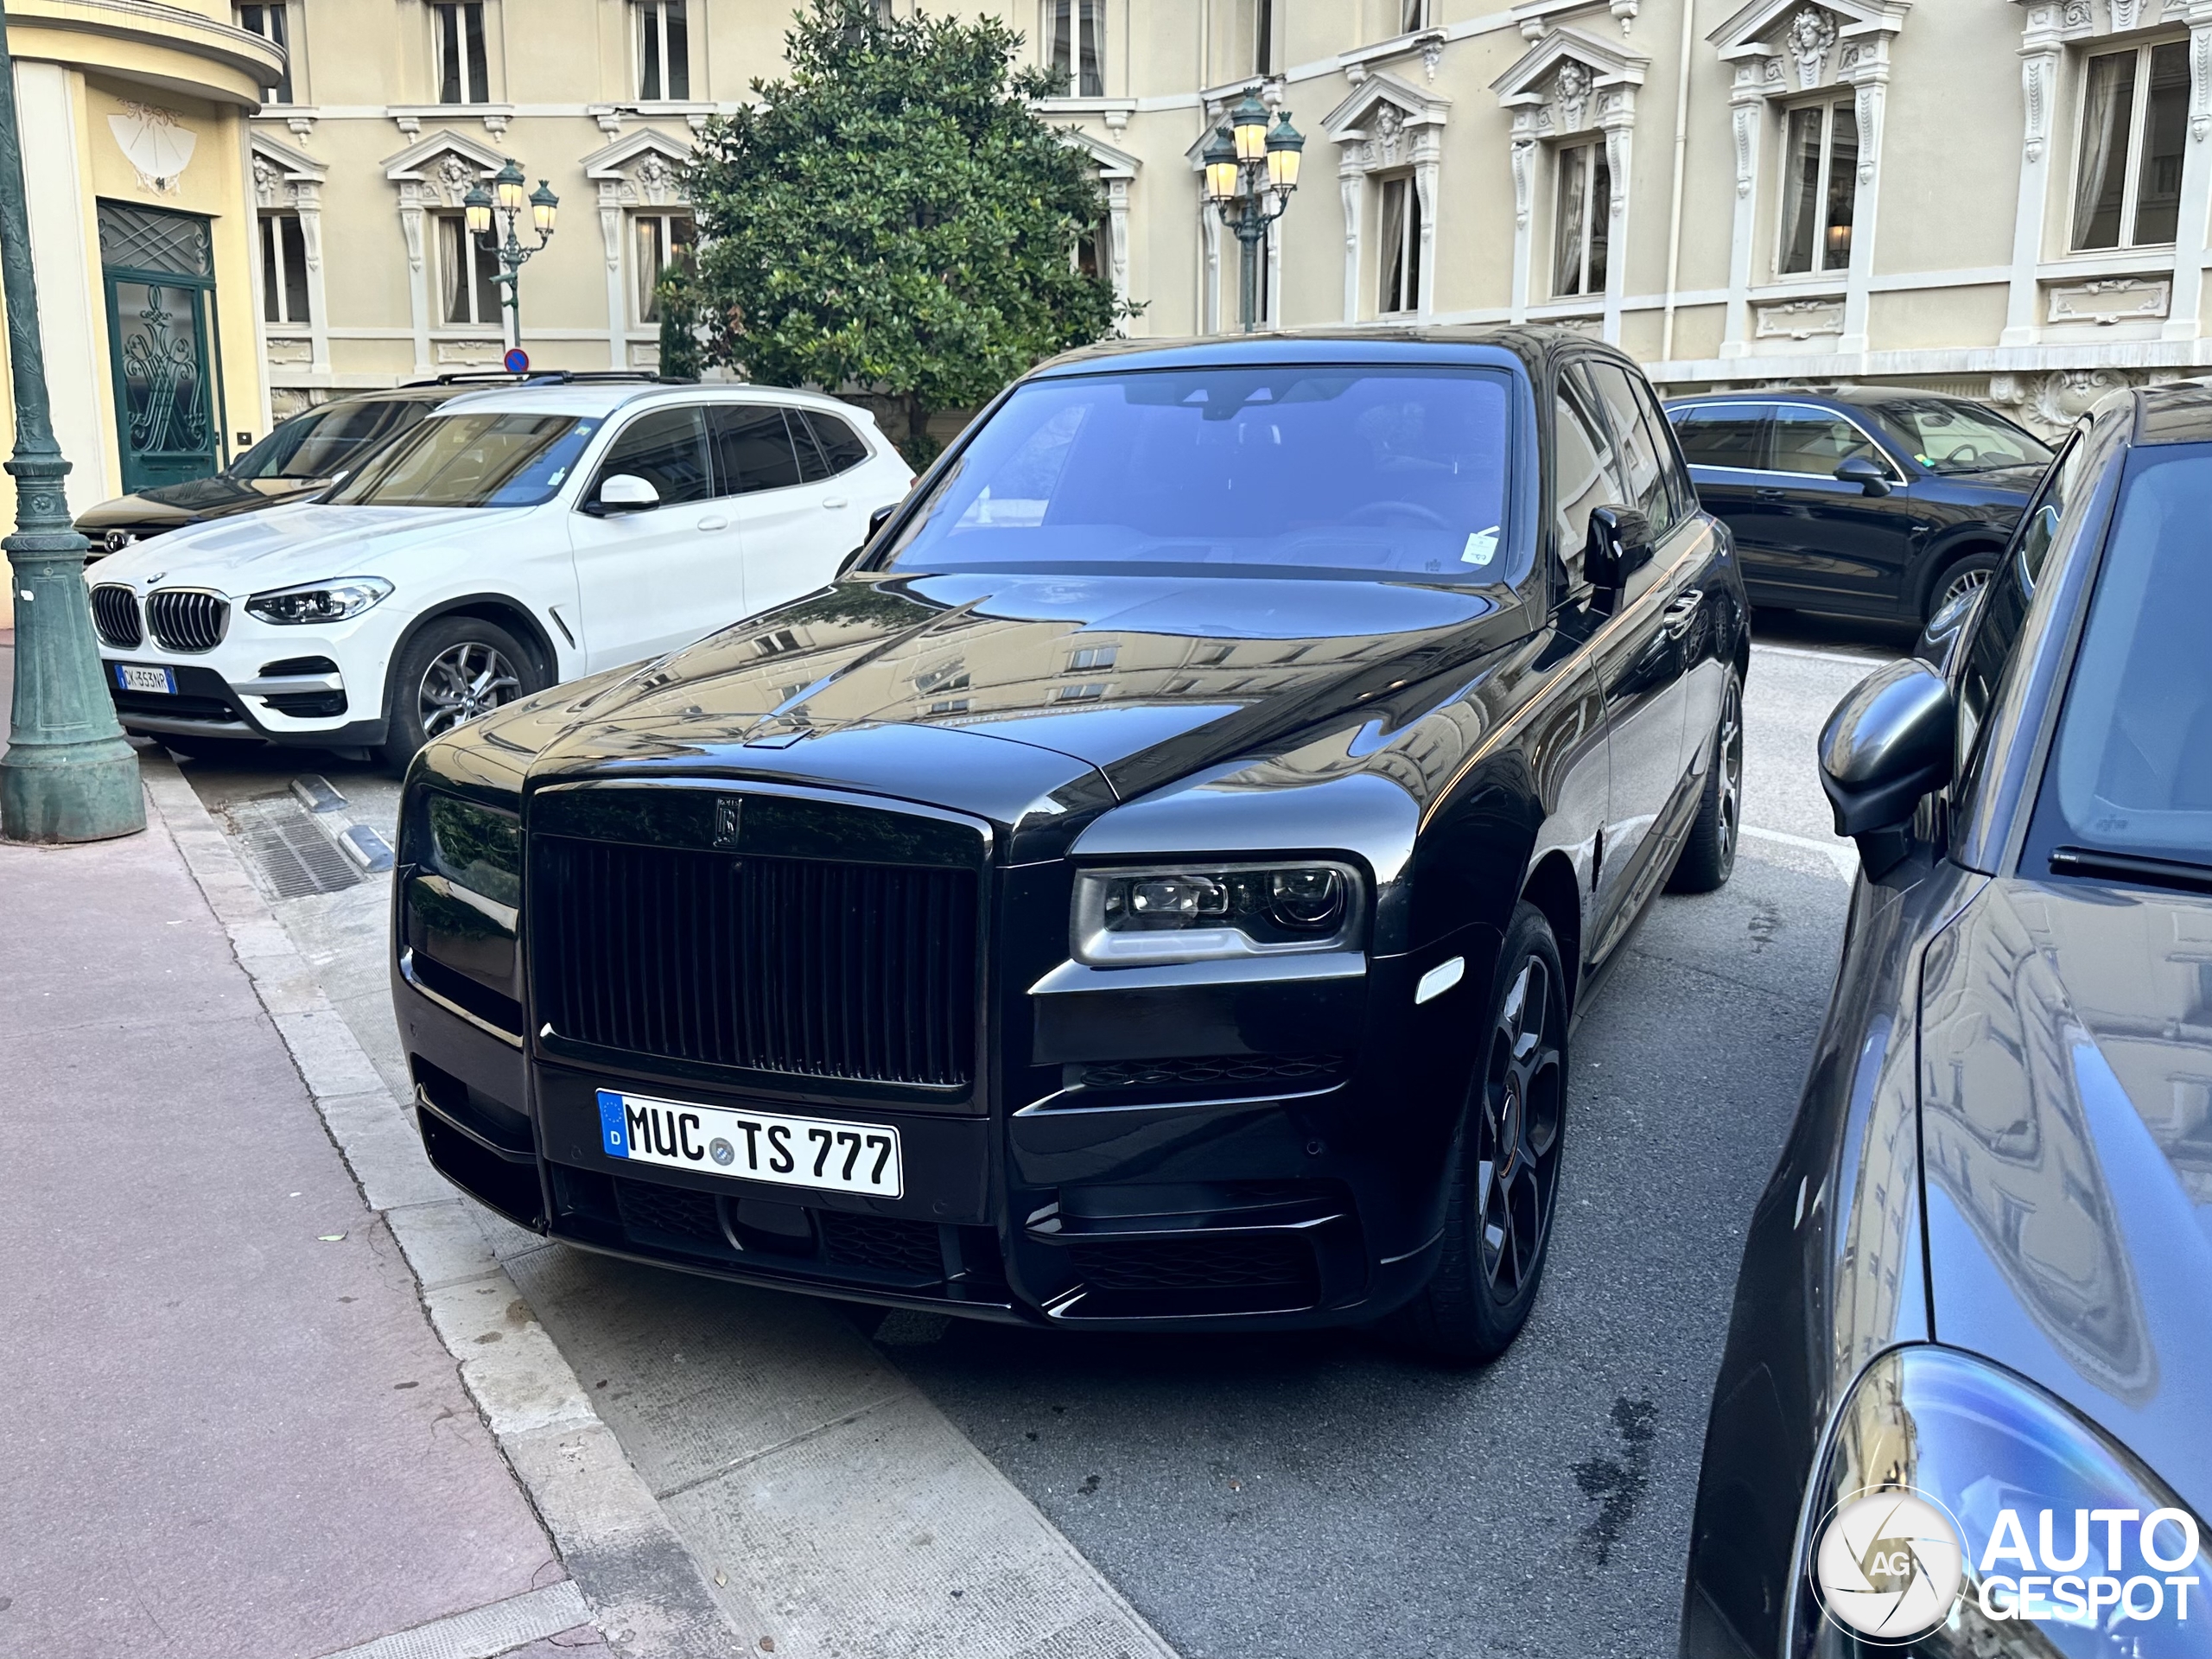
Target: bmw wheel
[1504, 1173]
[456, 670]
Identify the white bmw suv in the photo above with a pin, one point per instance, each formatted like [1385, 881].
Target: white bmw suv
[516, 538]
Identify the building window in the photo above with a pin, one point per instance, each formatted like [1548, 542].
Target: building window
[1265, 36]
[1413, 16]
[1077, 34]
[663, 49]
[283, 268]
[664, 240]
[1398, 288]
[1585, 218]
[271, 24]
[463, 77]
[1818, 187]
[2134, 126]
[467, 293]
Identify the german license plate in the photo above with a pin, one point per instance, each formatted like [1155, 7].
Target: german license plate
[808, 1152]
[143, 677]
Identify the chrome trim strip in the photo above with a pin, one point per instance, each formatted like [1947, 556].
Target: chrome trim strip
[446, 887]
[1074, 978]
[407, 973]
[742, 785]
[285, 683]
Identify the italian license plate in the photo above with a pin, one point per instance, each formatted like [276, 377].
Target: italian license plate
[143, 677]
[808, 1152]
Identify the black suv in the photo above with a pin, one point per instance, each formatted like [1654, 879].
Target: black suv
[1871, 501]
[1150, 887]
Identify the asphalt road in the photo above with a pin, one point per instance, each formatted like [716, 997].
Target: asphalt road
[1323, 1495]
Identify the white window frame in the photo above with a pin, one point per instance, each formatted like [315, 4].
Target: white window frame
[641, 286]
[462, 11]
[1079, 13]
[270, 252]
[1828, 104]
[1414, 15]
[2139, 123]
[1593, 149]
[270, 12]
[1408, 247]
[1267, 36]
[666, 64]
[477, 261]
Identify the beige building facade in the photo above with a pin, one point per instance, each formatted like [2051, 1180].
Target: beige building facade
[2004, 198]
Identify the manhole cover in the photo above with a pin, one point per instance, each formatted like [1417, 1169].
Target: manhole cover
[289, 856]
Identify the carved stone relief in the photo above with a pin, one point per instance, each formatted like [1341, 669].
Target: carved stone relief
[1811, 38]
[1798, 319]
[2114, 299]
[1571, 94]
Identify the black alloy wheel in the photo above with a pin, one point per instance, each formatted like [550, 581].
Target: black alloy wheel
[1505, 1162]
[453, 670]
[1708, 856]
[1969, 575]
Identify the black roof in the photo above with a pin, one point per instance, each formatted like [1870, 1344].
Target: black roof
[1531, 344]
[2180, 413]
[1842, 397]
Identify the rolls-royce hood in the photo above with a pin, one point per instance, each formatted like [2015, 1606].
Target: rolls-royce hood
[1143, 680]
[2066, 1110]
[302, 541]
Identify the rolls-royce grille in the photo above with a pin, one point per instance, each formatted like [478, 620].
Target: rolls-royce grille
[182, 620]
[115, 615]
[804, 966]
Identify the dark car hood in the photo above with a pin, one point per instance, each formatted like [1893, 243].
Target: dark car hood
[2067, 1116]
[914, 686]
[173, 505]
[2015, 484]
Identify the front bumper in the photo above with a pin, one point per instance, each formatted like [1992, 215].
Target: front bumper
[320, 694]
[1258, 1191]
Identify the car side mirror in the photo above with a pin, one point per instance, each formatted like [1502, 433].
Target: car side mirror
[626, 492]
[1889, 743]
[1616, 545]
[876, 521]
[1866, 472]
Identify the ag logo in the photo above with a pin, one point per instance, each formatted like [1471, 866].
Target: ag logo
[1889, 1565]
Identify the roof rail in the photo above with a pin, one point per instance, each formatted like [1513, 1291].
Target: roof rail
[547, 376]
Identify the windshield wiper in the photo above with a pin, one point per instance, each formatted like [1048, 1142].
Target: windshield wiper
[2183, 874]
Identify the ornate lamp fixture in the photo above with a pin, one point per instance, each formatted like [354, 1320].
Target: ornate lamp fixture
[1251, 172]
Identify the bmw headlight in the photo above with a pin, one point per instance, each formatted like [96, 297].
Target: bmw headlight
[1963, 1511]
[319, 601]
[1192, 912]
[476, 848]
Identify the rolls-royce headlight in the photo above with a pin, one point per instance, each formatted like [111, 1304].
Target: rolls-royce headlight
[1962, 1511]
[478, 848]
[1192, 912]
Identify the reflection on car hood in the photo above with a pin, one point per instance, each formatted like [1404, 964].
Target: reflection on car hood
[2066, 1100]
[302, 541]
[2015, 481]
[1129, 681]
[151, 512]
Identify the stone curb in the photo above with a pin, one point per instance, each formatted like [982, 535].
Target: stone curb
[645, 1594]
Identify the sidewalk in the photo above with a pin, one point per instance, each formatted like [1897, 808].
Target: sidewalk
[234, 1432]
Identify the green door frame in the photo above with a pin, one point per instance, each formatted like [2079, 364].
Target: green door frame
[207, 355]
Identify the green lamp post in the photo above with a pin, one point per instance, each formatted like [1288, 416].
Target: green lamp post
[1251, 172]
[505, 202]
[67, 774]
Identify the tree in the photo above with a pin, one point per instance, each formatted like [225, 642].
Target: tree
[895, 218]
[677, 302]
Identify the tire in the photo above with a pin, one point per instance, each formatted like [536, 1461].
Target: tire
[1709, 856]
[1961, 576]
[1497, 1214]
[453, 671]
[214, 750]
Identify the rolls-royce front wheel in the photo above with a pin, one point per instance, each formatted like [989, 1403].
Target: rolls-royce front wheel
[1504, 1174]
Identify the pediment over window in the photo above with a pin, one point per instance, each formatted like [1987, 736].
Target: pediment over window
[1568, 81]
[2083, 20]
[646, 167]
[1111, 163]
[1781, 47]
[443, 166]
[282, 177]
[1387, 122]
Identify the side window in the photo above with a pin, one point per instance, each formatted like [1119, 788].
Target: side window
[1722, 435]
[1650, 491]
[1663, 445]
[752, 448]
[668, 449]
[842, 447]
[2040, 527]
[1585, 473]
[813, 465]
[1810, 441]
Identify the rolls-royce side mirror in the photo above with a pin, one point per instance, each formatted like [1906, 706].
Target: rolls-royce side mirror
[1866, 472]
[876, 521]
[626, 492]
[1616, 545]
[1889, 743]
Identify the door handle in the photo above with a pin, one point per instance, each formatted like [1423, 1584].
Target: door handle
[714, 521]
[1674, 621]
[1768, 493]
[836, 501]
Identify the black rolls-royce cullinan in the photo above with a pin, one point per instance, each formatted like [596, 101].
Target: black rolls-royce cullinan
[1980, 1277]
[1151, 887]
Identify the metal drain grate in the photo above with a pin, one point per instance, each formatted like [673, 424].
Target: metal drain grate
[287, 854]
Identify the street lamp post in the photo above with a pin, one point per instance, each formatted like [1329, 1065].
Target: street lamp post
[505, 200]
[67, 774]
[1251, 172]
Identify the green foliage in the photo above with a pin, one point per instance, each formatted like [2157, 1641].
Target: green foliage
[674, 295]
[895, 218]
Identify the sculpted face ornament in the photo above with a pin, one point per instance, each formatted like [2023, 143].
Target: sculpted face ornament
[1889, 1565]
[1812, 32]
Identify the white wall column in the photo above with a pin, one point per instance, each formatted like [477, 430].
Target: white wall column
[1210, 229]
[1747, 122]
[65, 256]
[1351, 185]
[2043, 58]
[2196, 181]
[1872, 81]
[610, 232]
[1524, 157]
[1427, 160]
[412, 228]
[1618, 122]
